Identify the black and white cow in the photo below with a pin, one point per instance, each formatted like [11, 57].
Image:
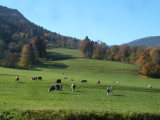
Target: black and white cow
[109, 90]
[73, 86]
[55, 87]
[149, 86]
[17, 79]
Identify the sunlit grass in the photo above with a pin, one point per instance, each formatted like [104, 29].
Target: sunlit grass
[131, 95]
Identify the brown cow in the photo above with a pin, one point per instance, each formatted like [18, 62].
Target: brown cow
[73, 86]
[98, 82]
[33, 78]
[58, 81]
[55, 87]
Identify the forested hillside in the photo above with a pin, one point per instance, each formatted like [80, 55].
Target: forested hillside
[14, 27]
[16, 31]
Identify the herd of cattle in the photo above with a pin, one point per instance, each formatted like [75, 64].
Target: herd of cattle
[36, 78]
[58, 86]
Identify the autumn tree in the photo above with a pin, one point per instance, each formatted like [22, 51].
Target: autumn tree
[144, 57]
[149, 63]
[112, 53]
[100, 51]
[27, 56]
[115, 49]
[39, 46]
[133, 58]
[155, 55]
[9, 59]
[150, 69]
[125, 52]
[86, 47]
[118, 57]
[134, 54]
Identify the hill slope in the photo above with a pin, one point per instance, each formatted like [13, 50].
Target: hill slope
[131, 95]
[14, 27]
[147, 41]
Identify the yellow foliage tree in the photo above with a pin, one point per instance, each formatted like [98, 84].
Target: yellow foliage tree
[148, 63]
[143, 57]
[27, 56]
[153, 51]
[150, 69]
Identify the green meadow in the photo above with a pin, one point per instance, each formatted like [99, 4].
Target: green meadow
[131, 95]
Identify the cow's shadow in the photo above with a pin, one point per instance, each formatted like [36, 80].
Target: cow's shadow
[63, 93]
[21, 82]
[71, 93]
[119, 95]
[78, 91]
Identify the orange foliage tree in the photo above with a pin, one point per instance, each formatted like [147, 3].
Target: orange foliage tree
[149, 63]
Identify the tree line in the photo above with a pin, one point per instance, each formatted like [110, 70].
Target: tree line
[35, 49]
[10, 57]
[148, 59]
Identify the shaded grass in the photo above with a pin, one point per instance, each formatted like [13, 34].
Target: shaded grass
[53, 56]
[52, 65]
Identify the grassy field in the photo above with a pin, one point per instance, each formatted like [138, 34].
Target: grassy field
[131, 95]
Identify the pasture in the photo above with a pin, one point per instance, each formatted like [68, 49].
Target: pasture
[131, 95]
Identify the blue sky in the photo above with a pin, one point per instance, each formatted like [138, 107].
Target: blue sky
[110, 21]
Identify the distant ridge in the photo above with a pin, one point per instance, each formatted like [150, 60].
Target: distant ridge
[147, 41]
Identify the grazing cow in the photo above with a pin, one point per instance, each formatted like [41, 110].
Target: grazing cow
[39, 78]
[98, 82]
[58, 81]
[83, 81]
[55, 87]
[117, 83]
[73, 86]
[109, 90]
[149, 86]
[33, 78]
[17, 79]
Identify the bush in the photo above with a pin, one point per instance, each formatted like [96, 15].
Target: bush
[70, 115]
